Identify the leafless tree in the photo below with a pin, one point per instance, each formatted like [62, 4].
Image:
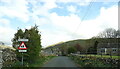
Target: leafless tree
[118, 33]
[108, 33]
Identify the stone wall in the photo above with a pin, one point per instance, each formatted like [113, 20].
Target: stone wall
[0, 58]
[111, 61]
[8, 56]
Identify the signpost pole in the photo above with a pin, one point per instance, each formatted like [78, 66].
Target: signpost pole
[22, 59]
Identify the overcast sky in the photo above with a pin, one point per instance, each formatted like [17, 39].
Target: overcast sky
[58, 20]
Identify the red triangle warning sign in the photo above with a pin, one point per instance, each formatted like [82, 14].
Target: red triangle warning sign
[22, 46]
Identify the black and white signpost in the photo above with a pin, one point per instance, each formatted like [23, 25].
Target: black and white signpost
[22, 48]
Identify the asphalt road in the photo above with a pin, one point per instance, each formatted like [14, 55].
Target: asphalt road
[60, 61]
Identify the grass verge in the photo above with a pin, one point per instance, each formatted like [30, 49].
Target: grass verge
[38, 62]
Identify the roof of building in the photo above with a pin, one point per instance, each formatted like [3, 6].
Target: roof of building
[108, 45]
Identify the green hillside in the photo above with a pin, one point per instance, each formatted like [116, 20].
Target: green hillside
[4, 47]
[86, 43]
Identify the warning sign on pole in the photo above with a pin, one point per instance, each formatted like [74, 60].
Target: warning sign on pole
[22, 46]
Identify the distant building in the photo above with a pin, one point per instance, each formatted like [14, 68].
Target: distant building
[108, 48]
[53, 50]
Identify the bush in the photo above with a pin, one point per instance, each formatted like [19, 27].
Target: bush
[72, 50]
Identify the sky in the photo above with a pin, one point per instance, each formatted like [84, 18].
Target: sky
[58, 20]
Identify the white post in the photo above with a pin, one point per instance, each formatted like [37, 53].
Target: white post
[105, 51]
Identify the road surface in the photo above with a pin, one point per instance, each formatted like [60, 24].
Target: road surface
[60, 61]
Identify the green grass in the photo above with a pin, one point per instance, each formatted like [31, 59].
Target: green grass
[40, 62]
[103, 56]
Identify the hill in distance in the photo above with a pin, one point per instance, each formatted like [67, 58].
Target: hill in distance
[86, 43]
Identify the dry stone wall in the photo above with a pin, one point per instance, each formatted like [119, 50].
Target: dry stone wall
[0, 58]
[8, 56]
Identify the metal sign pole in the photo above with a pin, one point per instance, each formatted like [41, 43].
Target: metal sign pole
[22, 59]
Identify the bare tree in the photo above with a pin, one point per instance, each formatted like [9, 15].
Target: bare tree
[118, 33]
[108, 33]
[78, 47]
